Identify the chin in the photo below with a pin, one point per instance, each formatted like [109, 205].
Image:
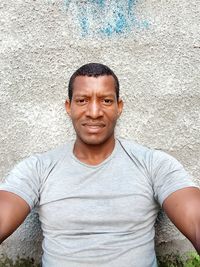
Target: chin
[94, 140]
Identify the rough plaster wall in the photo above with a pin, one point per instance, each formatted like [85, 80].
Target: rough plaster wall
[153, 46]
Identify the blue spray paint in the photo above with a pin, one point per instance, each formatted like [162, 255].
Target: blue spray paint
[118, 27]
[100, 3]
[66, 4]
[84, 24]
[121, 23]
[131, 3]
[107, 17]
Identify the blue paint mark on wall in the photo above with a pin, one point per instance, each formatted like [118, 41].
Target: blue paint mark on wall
[84, 25]
[106, 17]
[101, 3]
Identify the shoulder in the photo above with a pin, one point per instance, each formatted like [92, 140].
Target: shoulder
[156, 155]
[140, 156]
[153, 159]
[134, 148]
[53, 156]
[55, 153]
[39, 163]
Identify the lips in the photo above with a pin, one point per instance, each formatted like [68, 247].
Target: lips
[93, 127]
[96, 124]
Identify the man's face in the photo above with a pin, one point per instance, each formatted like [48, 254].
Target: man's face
[94, 109]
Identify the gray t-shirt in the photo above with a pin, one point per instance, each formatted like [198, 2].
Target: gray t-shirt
[98, 216]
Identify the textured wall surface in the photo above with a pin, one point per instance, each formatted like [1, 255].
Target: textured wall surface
[153, 46]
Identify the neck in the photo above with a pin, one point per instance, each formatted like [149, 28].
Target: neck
[93, 154]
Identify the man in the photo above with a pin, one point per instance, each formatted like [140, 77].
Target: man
[98, 197]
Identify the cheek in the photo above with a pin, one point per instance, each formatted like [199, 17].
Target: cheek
[113, 116]
[76, 114]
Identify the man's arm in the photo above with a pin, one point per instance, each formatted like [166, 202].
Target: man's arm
[183, 209]
[13, 211]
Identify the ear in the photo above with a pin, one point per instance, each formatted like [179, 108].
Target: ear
[120, 106]
[68, 107]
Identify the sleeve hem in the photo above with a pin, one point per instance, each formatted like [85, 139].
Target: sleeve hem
[173, 190]
[20, 194]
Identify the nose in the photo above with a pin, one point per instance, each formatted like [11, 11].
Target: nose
[94, 110]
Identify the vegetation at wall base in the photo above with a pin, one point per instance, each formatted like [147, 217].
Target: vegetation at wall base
[173, 260]
[6, 262]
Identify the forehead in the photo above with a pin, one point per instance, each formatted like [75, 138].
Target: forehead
[94, 85]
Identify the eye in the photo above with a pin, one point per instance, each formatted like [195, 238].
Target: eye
[81, 101]
[107, 101]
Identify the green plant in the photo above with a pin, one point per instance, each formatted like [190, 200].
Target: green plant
[175, 260]
[6, 262]
[193, 260]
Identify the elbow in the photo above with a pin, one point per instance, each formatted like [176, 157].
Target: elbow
[3, 234]
[197, 239]
[1, 237]
[194, 235]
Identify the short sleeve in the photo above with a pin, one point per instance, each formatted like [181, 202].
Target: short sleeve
[168, 176]
[24, 180]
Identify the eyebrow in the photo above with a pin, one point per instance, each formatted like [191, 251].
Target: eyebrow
[103, 95]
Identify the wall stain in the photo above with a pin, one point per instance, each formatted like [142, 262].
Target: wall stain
[108, 18]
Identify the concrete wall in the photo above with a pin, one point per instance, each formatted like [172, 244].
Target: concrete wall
[153, 46]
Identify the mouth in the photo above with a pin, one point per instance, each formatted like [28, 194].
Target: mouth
[93, 127]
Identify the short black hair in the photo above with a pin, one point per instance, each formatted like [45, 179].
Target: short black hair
[92, 70]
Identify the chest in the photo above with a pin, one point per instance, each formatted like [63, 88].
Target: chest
[97, 200]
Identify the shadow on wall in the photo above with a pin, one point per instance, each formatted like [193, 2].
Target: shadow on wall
[105, 18]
